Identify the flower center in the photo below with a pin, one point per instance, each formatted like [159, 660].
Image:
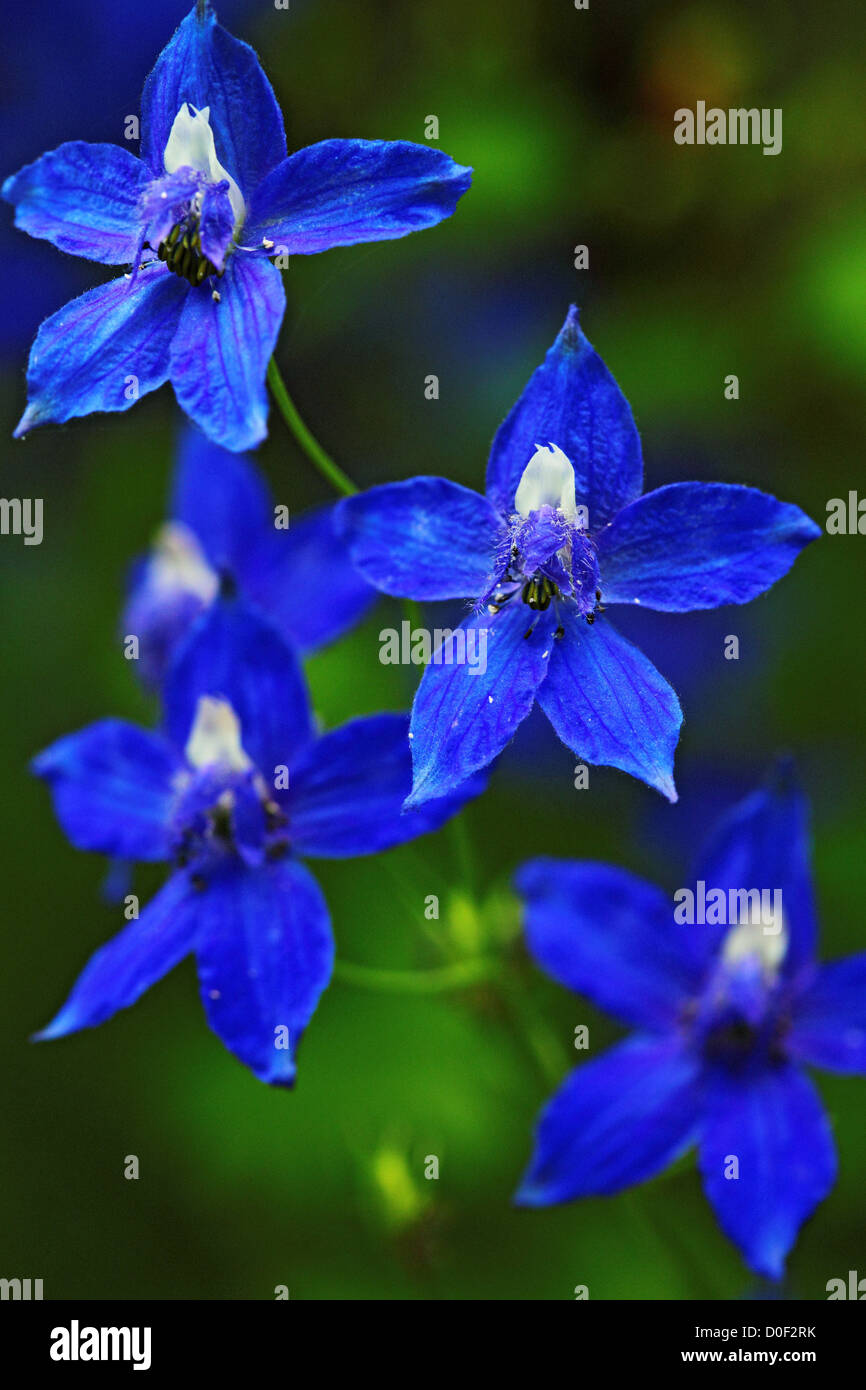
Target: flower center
[191, 146]
[196, 210]
[546, 553]
[224, 807]
[743, 1011]
[182, 252]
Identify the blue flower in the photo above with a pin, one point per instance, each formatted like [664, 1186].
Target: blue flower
[727, 1013]
[212, 197]
[233, 792]
[562, 528]
[221, 537]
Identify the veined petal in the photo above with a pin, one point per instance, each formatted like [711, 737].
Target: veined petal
[608, 703]
[218, 216]
[84, 199]
[103, 350]
[614, 1122]
[829, 1017]
[426, 538]
[339, 192]
[611, 936]
[265, 953]
[464, 714]
[572, 402]
[112, 786]
[233, 653]
[223, 500]
[204, 65]
[220, 352]
[764, 843]
[346, 797]
[772, 1121]
[120, 972]
[699, 545]
[304, 579]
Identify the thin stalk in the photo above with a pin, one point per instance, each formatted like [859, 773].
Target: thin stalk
[304, 437]
[459, 975]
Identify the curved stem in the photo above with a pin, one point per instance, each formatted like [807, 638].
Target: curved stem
[308, 442]
[444, 977]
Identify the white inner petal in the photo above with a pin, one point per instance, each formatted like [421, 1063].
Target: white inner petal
[548, 480]
[191, 146]
[763, 942]
[178, 564]
[215, 738]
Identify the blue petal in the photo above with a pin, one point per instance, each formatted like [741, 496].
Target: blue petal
[158, 618]
[699, 545]
[206, 66]
[121, 971]
[611, 936]
[829, 1018]
[304, 579]
[220, 352]
[609, 704]
[236, 654]
[773, 1123]
[265, 953]
[426, 538]
[223, 500]
[614, 1122]
[462, 718]
[105, 349]
[84, 199]
[346, 798]
[112, 786]
[764, 843]
[339, 192]
[571, 401]
[216, 223]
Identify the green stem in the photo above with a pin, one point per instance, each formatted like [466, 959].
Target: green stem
[445, 977]
[308, 442]
[545, 1047]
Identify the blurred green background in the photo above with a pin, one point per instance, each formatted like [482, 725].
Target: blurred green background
[703, 262]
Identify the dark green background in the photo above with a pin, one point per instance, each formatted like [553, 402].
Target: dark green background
[704, 262]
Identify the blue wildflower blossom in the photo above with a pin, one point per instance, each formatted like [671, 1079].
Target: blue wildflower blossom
[563, 526]
[212, 197]
[233, 792]
[729, 1002]
[221, 536]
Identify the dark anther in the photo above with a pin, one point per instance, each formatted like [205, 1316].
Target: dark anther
[559, 633]
[590, 618]
[274, 816]
[221, 822]
[538, 593]
[183, 255]
[277, 849]
[228, 585]
[598, 595]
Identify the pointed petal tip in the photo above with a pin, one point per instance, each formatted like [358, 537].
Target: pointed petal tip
[53, 1030]
[528, 1194]
[667, 789]
[281, 1080]
[28, 420]
[570, 332]
[783, 778]
[416, 799]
